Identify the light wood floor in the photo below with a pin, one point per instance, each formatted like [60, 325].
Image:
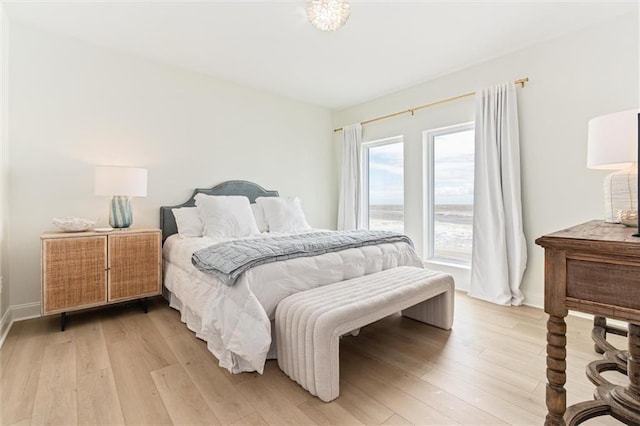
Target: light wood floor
[119, 365]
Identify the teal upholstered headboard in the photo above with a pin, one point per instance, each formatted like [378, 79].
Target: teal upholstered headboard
[231, 187]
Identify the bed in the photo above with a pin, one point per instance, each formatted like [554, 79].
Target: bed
[236, 321]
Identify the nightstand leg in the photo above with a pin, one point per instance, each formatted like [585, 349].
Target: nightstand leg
[63, 321]
[144, 304]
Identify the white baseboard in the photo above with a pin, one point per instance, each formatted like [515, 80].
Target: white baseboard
[5, 325]
[621, 324]
[535, 303]
[26, 311]
[17, 313]
[534, 300]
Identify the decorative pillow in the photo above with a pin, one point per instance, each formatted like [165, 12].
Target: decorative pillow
[226, 215]
[283, 214]
[188, 222]
[258, 215]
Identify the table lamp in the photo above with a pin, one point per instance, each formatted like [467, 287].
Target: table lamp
[613, 145]
[121, 183]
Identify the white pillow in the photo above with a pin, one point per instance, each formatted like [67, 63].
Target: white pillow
[258, 215]
[188, 222]
[283, 214]
[226, 216]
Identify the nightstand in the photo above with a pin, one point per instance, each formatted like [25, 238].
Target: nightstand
[87, 269]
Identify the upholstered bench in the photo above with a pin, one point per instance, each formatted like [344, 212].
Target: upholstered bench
[309, 324]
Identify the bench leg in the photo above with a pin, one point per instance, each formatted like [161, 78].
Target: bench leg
[437, 311]
[325, 368]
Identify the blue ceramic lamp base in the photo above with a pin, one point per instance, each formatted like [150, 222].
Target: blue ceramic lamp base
[120, 212]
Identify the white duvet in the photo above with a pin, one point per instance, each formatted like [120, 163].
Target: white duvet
[236, 321]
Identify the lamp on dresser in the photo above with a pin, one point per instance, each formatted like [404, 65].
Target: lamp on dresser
[613, 145]
[121, 183]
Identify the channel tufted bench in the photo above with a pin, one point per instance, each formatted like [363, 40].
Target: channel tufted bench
[309, 324]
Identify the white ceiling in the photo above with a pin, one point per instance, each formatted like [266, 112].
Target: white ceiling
[384, 47]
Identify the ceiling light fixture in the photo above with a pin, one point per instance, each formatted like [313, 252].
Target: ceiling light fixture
[328, 15]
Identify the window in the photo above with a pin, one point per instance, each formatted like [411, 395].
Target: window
[383, 184]
[449, 168]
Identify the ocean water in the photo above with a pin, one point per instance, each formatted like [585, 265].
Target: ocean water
[452, 228]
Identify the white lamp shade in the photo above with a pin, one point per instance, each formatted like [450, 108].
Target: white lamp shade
[127, 181]
[613, 140]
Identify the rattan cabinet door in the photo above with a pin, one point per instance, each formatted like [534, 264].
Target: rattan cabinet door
[74, 273]
[134, 265]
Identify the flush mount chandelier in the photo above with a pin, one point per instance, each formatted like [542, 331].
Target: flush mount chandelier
[328, 15]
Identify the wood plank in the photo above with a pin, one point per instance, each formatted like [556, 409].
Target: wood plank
[461, 387]
[114, 323]
[397, 420]
[91, 347]
[381, 349]
[188, 349]
[453, 407]
[142, 334]
[392, 397]
[25, 422]
[167, 321]
[534, 366]
[181, 397]
[396, 370]
[8, 345]
[253, 419]
[55, 401]
[19, 382]
[331, 413]
[48, 328]
[224, 399]
[137, 392]
[295, 393]
[273, 406]
[59, 407]
[368, 410]
[500, 389]
[59, 366]
[202, 367]
[98, 402]
[236, 379]
[423, 349]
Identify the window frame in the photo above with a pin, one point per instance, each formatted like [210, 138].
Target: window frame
[364, 160]
[429, 137]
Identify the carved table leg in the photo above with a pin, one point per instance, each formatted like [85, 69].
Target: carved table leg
[624, 402]
[583, 411]
[556, 370]
[633, 361]
[599, 335]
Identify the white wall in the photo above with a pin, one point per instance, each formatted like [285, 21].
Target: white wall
[4, 290]
[74, 105]
[572, 79]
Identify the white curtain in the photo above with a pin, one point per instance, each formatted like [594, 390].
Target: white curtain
[349, 205]
[499, 247]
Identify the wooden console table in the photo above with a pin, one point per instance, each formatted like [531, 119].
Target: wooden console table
[593, 268]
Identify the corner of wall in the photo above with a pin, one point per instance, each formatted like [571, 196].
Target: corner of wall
[17, 313]
[4, 59]
[5, 326]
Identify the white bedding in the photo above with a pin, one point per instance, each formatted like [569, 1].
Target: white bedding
[235, 321]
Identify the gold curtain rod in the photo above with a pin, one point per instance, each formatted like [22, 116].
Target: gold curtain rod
[411, 111]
